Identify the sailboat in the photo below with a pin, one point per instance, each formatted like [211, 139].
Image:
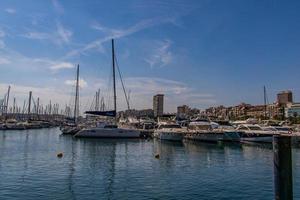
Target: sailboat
[72, 128]
[103, 130]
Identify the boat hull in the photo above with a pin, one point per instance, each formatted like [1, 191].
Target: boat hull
[108, 133]
[172, 136]
[259, 138]
[206, 136]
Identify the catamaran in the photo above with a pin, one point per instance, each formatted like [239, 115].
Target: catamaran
[108, 130]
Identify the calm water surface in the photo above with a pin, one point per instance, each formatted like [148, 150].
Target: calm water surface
[127, 169]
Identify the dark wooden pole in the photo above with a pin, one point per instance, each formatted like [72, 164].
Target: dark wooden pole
[283, 175]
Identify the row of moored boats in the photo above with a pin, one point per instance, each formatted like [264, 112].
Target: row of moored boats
[12, 124]
[207, 131]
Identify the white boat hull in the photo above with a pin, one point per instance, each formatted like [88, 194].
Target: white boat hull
[206, 136]
[173, 136]
[108, 133]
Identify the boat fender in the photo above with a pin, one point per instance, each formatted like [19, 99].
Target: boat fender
[60, 155]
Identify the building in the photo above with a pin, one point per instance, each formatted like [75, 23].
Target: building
[158, 105]
[183, 110]
[284, 97]
[292, 110]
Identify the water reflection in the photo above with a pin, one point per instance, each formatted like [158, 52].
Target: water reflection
[127, 169]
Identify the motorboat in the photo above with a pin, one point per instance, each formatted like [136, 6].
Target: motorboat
[203, 130]
[255, 133]
[170, 131]
[12, 124]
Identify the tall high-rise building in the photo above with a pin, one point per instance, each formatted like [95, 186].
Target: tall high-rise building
[158, 105]
[284, 97]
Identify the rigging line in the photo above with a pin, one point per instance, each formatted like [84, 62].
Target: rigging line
[92, 103]
[124, 90]
[34, 105]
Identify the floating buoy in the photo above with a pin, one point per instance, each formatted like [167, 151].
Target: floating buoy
[60, 154]
[157, 156]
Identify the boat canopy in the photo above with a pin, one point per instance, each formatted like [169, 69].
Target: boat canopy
[109, 113]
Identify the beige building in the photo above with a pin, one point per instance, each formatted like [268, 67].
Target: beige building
[284, 97]
[158, 105]
[183, 110]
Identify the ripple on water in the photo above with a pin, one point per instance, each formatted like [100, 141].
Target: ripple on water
[127, 169]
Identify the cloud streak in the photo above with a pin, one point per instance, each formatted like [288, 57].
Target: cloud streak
[10, 11]
[2, 35]
[117, 33]
[61, 35]
[57, 6]
[4, 61]
[82, 83]
[61, 65]
[161, 55]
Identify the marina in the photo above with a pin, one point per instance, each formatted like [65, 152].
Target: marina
[118, 168]
[144, 100]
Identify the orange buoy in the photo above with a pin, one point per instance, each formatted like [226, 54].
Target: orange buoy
[60, 154]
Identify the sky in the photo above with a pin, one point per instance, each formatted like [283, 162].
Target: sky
[200, 53]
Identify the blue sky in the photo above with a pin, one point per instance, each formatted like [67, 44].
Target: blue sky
[200, 53]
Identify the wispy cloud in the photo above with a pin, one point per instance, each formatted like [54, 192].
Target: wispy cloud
[4, 61]
[117, 33]
[57, 6]
[61, 65]
[161, 54]
[82, 83]
[61, 36]
[56, 95]
[176, 93]
[37, 35]
[17, 61]
[2, 35]
[10, 10]
[143, 88]
[63, 33]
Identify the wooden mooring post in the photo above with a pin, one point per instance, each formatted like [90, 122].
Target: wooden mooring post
[283, 175]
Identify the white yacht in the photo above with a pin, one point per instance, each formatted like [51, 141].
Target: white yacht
[108, 131]
[206, 131]
[287, 131]
[105, 130]
[170, 131]
[255, 133]
[12, 124]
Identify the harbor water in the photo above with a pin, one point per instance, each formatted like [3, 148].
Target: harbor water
[128, 169]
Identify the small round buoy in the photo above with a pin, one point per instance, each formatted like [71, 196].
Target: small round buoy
[60, 154]
[157, 156]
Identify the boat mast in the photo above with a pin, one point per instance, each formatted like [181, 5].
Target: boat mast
[7, 100]
[114, 77]
[265, 102]
[29, 105]
[76, 95]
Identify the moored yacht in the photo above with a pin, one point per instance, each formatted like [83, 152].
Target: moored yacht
[202, 130]
[287, 131]
[12, 124]
[72, 128]
[255, 133]
[170, 131]
[109, 130]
